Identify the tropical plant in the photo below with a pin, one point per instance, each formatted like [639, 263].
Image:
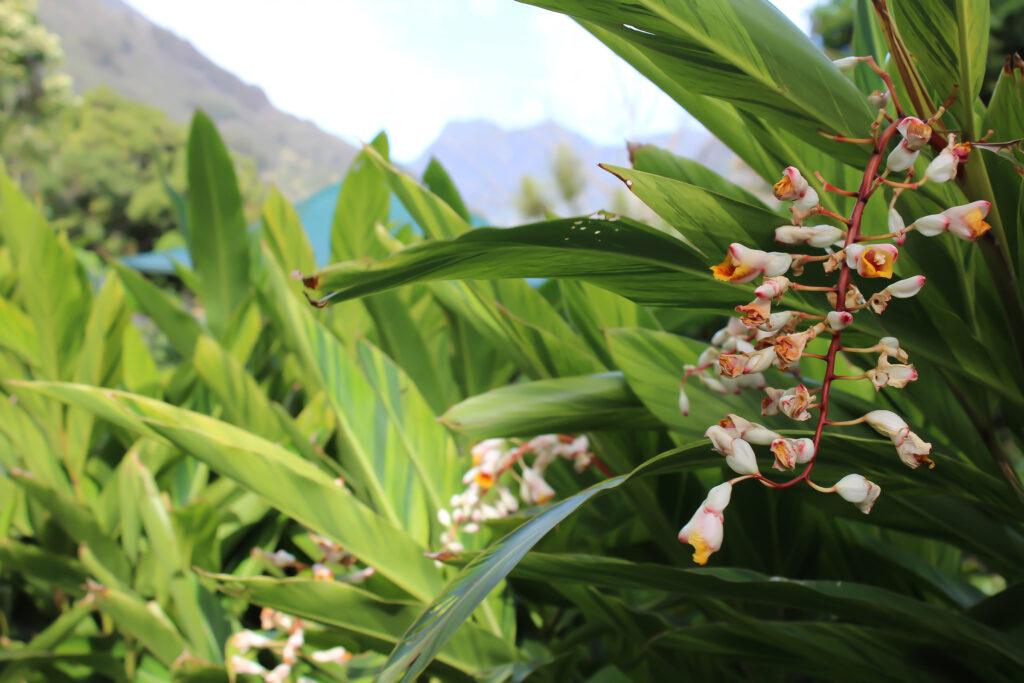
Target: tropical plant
[275, 497]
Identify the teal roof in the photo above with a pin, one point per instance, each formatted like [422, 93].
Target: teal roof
[316, 213]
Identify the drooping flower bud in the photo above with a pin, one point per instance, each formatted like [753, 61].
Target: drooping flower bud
[760, 360]
[334, 655]
[874, 260]
[793, 188]
[751, 380]
[789, 348]
[705, 530]
[684, 402]
[243, 641]
[878, 98]
[777, 322]
[904, 289]
[909, 446]
[943, 167]
[916, 133]
[773, 287]
[968, 221]
[891, 346]
[757, 311]
[838, 320]
[901, 157]
[770, 403]
[795, 403]
[813, 235]
[792, 452]
[885, 422]
[534, 489]
[897, 226]
[243, 666]
[859, 491]
[886, 374]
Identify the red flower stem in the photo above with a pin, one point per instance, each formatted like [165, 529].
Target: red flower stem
[602, 467]
[867, 186]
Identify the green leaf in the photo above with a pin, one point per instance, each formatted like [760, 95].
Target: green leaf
[286, 481]
[628, 258]
[218, 242]
[286, 235]
[742, 51]
[661, 162]
[949, 42]
[18, 333]
[362, 204]
[393, 445]
[144, 622]
[565, 405]
[707, 220]
[437, 180]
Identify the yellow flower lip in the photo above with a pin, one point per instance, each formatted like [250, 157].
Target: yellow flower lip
[701, 550]
[783, 188]
[876, 263]
[730, 270]
[484, 480]
[975, 220]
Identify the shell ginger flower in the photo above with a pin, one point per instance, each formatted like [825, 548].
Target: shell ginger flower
[706, 529]
[966, 221]
[911, 448]
[860, 491]
[743, 264]
[794, 188]
[874, 260]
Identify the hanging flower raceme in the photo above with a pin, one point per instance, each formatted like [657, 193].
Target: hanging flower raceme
[762, 341]
[488, 493]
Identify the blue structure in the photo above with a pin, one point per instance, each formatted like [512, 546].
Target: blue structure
[316, 213]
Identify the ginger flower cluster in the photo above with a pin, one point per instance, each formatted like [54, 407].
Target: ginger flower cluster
[768, 337]
[504, 474]
[285, 637]
[331, 564]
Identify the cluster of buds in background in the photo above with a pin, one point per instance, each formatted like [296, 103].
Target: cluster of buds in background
[769, 336]
[331, 558]
[284, 636]
[498, 465]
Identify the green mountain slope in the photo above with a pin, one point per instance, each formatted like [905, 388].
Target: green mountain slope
[106, 42]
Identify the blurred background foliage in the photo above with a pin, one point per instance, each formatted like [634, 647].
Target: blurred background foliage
[189, 458]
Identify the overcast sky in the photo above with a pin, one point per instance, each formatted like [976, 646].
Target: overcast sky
[410, 66]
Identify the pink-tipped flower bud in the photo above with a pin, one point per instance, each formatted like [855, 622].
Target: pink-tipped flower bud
[705, 530]
[773, 287]
[838, 320]
[943, 167]
[859, 491]
[904, 289]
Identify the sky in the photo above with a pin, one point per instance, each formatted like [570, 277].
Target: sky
[355, 67]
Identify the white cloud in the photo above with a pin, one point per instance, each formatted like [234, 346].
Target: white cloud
[410, 67]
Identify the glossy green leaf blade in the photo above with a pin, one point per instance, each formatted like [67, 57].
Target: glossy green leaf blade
[400, 454]
[742, 51]
[564, 405]
[859, 603]
[949, 42]
[625, 257]
[218, 242]
[362, 204]
[709, 220]
[286, 481]
[661, 162]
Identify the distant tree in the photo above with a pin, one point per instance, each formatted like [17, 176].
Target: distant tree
[33, 90]
[531, 201]
[567, 169]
